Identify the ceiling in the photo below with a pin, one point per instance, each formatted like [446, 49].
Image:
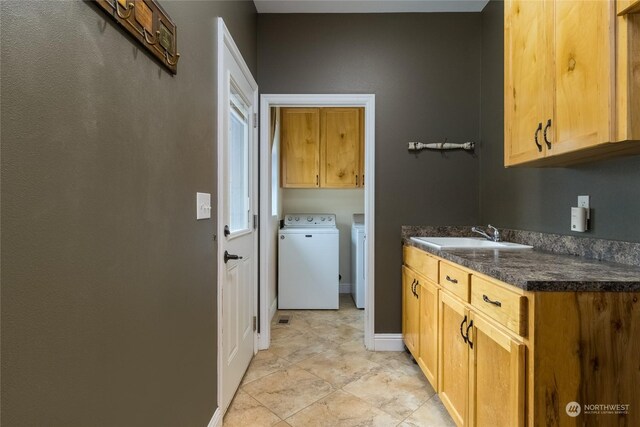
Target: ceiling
[368, 6]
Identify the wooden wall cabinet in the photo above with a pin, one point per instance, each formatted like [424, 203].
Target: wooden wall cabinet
[571, 82]
[322, 147]
[300, 165]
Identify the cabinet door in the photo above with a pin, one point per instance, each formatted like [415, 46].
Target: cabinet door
[528, 81]
[428, 327]
[361, 181]
[453, 357]
[410, 306]
[584, 74]
[497, 376]
[300, 147]
[340, 147]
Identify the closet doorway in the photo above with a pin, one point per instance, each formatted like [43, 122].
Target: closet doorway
[270, 197]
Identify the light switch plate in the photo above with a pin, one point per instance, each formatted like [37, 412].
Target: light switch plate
[203, 205]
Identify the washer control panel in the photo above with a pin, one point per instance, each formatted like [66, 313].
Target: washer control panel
[309, 220]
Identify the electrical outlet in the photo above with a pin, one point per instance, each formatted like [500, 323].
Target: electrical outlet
[583, 202]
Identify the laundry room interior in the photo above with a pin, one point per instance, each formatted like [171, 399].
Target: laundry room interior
[317, 169]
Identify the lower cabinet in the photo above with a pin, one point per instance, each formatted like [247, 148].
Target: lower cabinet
[508, 358]
[453, 357]
[428, 335]
[482, 369]
[410, 308]
[496, 376]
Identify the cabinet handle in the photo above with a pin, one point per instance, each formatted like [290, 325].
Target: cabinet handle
[317, 181]
[545, 134]
[452, 280]
[536, 136]
[469, 339]
[487, 300]
[413, 286]
[462, 327]
[415, 292]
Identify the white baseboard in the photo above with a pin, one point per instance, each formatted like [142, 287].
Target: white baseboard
[273, 308]
[345, 288]
[216, 420]
[388, 342]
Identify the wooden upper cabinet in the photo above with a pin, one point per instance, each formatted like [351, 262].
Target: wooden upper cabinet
[625, 7]
[340, 147]
[572, 90]
[584, 75]
[322, 147]
[361, 171]
[527, 87]
[300, 147]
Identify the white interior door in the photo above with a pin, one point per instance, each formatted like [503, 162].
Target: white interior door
[238, 202]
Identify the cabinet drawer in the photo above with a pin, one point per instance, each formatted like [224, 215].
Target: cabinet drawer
[421, 262]
[508, 308]
[454, 280]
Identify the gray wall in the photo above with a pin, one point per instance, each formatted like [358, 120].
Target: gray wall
[108, 282]
[425, 72]
[540, 199]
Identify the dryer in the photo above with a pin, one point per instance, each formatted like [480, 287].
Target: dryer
[357, 260]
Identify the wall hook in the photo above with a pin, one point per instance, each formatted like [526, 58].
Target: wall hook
[172, 63]
[148, 40]
[129, 10]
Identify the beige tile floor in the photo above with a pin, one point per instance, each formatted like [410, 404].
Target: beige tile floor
[318, 373]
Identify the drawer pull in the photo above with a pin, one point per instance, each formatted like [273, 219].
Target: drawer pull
[452, 280]
[486, 299]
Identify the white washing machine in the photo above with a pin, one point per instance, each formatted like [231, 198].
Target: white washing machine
[308, 261]
[357, 260]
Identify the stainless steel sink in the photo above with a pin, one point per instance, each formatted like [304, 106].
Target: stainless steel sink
[467, 243]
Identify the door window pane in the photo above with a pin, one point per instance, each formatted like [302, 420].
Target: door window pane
[238, 163]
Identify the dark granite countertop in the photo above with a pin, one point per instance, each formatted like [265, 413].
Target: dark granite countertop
[537, 270]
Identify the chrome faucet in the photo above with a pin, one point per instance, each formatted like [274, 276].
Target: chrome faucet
[494, 238]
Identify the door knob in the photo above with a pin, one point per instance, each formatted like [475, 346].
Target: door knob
[228, 256]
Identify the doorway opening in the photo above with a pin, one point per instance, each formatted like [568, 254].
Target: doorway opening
[356, 193]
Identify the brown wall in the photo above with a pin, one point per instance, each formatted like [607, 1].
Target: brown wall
[425, 72]
[539, 199]
[108, 281]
